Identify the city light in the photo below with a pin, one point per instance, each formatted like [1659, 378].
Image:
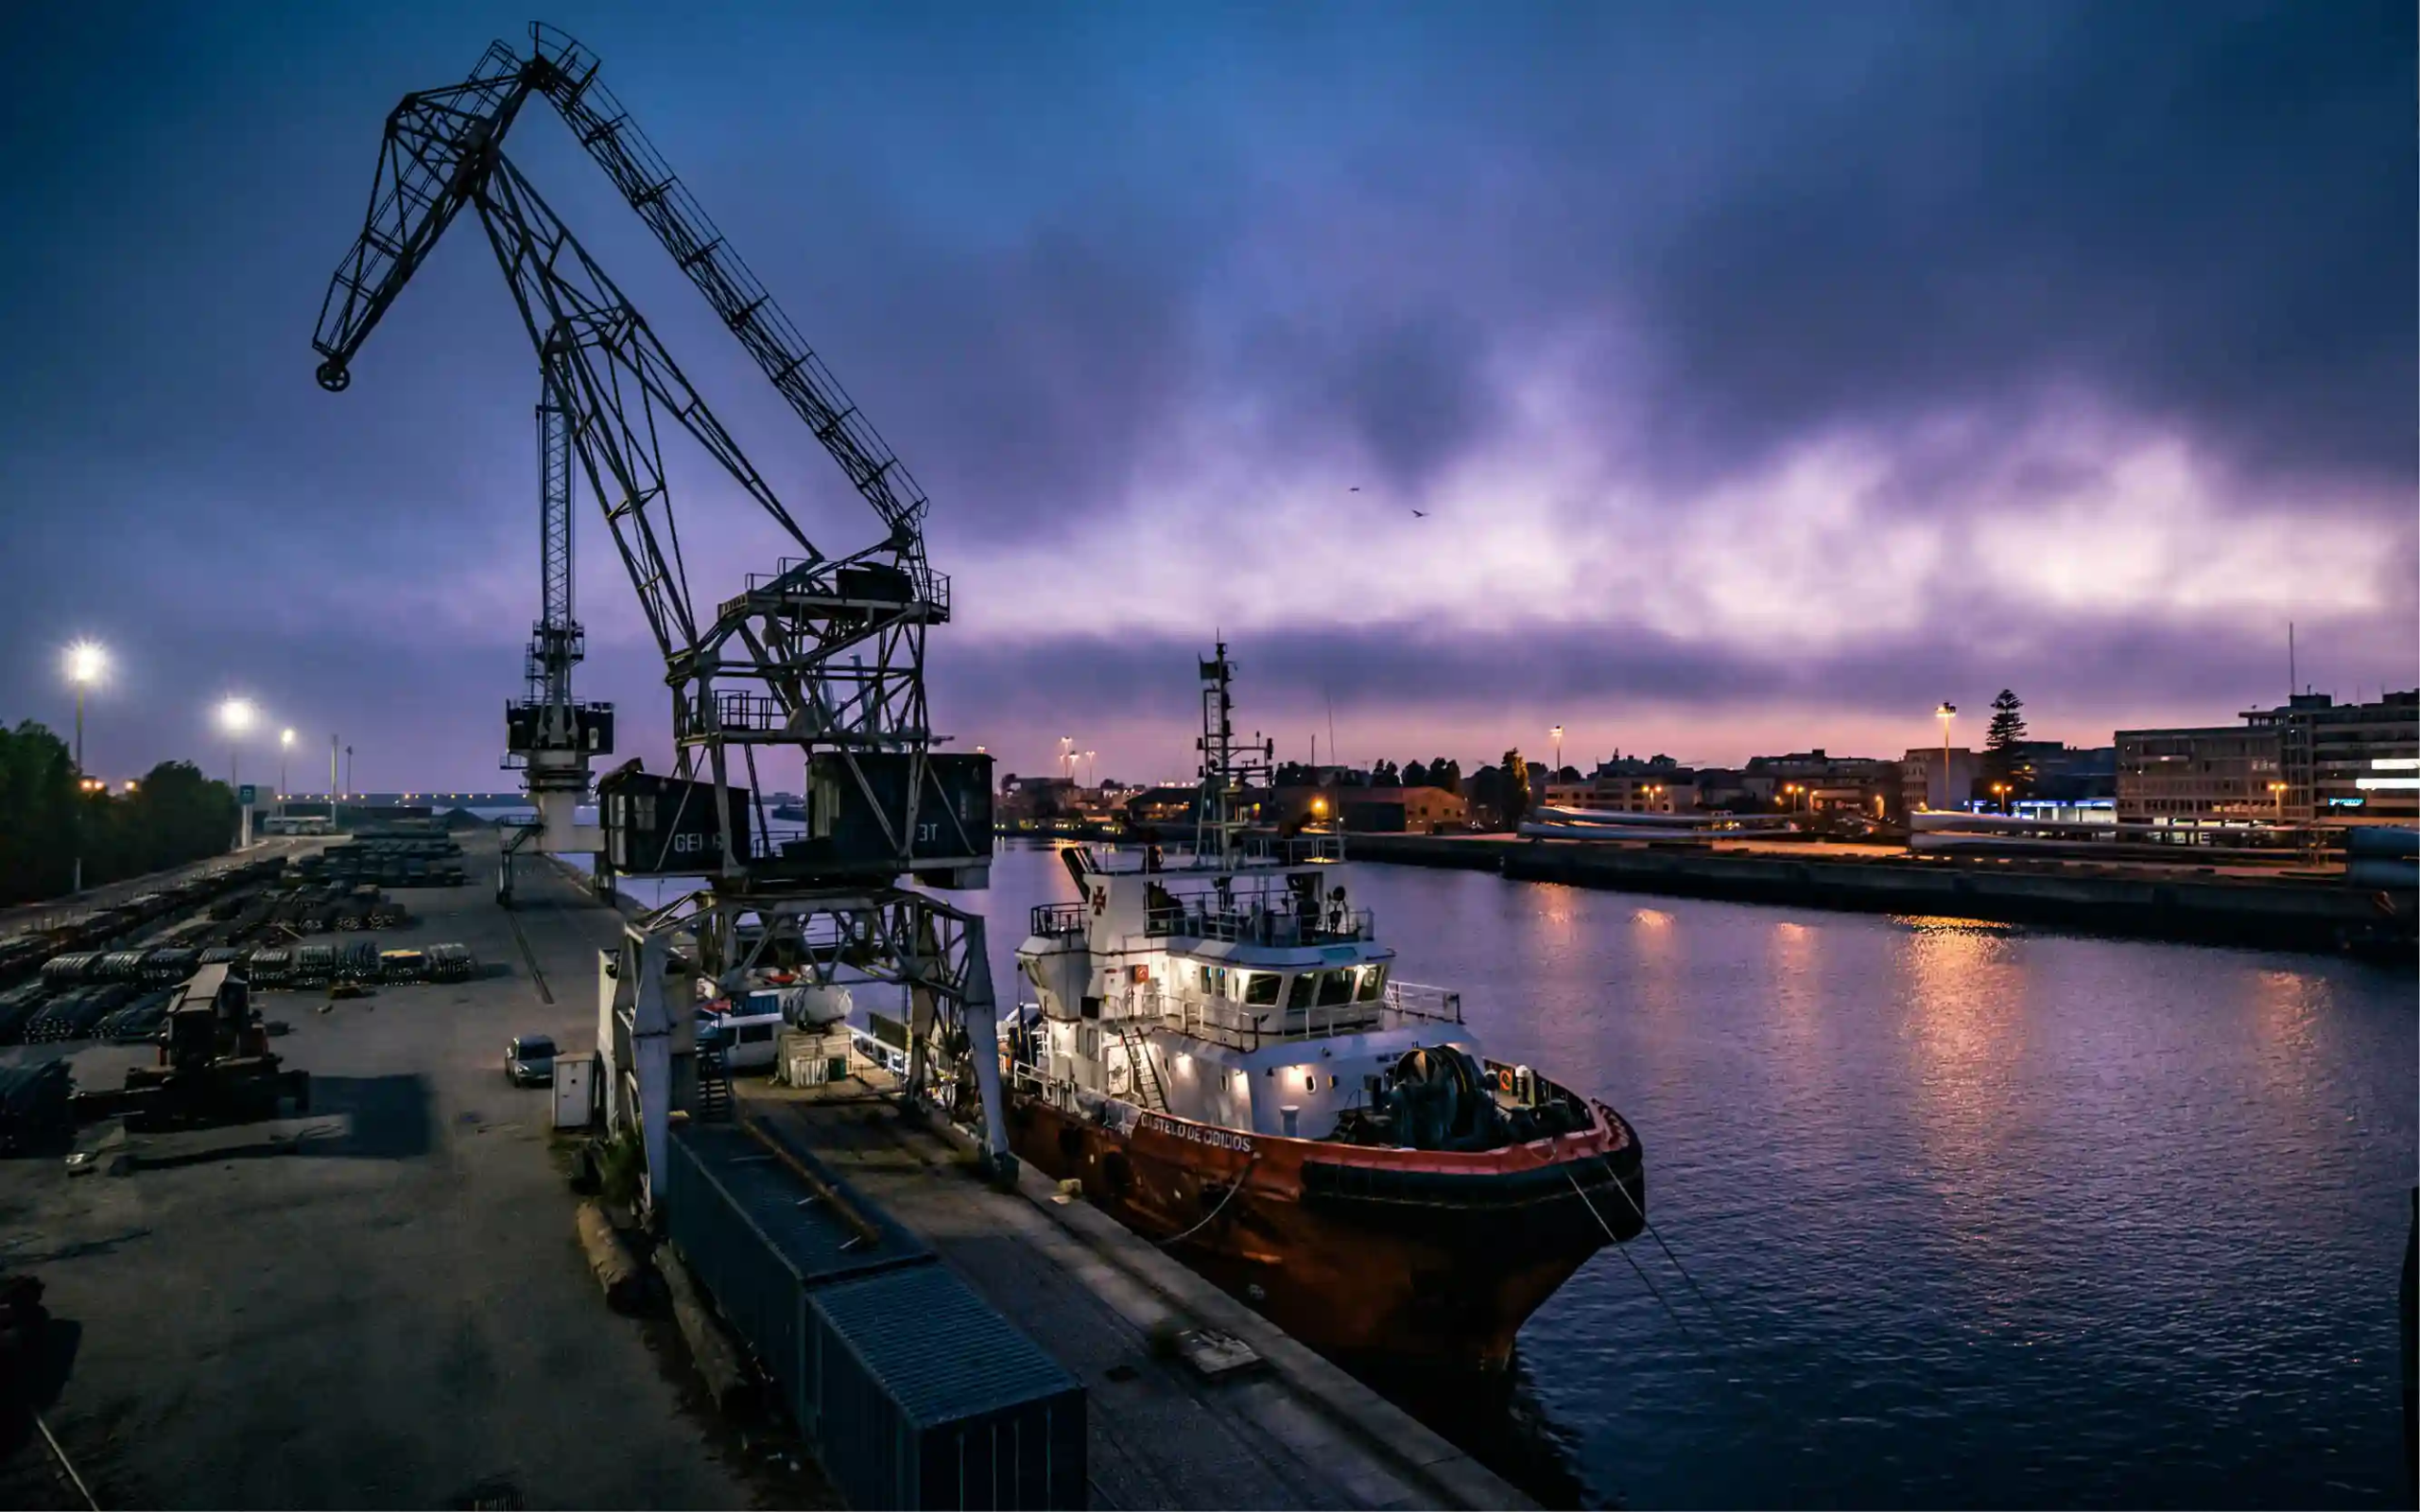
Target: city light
[235, 715]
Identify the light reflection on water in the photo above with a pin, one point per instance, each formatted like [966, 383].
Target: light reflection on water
[1992, 1219]
[1995, 1218]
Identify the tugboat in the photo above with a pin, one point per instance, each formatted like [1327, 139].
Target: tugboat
[1218, 1050]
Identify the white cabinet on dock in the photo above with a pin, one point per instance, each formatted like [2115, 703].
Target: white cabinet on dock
[574, 1091]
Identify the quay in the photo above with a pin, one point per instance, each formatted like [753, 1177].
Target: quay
[2199, 906]
[382, 1300]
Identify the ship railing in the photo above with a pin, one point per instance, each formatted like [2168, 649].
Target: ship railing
[1240, 1026]
[1294, 850]
[1325, 925]
[1415, 1000]
[1059, 920]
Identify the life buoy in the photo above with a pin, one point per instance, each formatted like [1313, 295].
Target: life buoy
[1504, 1080]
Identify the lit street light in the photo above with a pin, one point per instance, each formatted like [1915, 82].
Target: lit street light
[1092, 769]
[235, 715]
[1557, 733]
[284, 744]
[1946, 712]
[85, 665]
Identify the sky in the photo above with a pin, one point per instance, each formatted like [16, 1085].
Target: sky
[1764, 375]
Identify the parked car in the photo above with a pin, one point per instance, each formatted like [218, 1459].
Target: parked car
[529, 1061]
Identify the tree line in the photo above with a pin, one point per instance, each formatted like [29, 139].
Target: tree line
[175, 814]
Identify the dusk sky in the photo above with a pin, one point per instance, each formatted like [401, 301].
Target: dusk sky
[1767, 374]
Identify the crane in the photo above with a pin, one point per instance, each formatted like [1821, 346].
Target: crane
[824, 655]
[550, 735]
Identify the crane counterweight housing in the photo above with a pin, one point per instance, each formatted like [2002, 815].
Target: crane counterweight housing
[819, 662]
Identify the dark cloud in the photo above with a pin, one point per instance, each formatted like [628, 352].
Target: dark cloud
[2206, 212]
[1039, 254]
[2102, 665]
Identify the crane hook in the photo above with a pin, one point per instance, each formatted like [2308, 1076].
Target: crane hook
[334, 376]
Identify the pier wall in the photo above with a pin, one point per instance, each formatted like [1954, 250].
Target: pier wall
[2272, 912]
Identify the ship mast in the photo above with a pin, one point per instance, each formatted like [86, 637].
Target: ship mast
[1224, 765]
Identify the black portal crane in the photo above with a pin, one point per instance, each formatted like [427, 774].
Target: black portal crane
[825, 653]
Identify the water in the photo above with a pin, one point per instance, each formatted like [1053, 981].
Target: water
[1991, 1218]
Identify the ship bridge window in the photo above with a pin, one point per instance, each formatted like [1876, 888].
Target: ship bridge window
[1373, 982]
[1260, 988]
[1336, 988]
[1306, 987]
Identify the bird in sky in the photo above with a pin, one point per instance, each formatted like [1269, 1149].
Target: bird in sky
[1420, 514]
[1356, 488]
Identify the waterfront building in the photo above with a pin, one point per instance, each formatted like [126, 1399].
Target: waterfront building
[1925, 784]
[2329, 755]
[1401, 810]
[1816, 781]
[2202, 775]
[1673, 791]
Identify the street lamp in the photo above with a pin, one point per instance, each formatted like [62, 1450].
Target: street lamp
[1946, 712]
[235, 715]
[85, 665]
[1092, 768]
[2000, 791]
[284, 744]
[1557, 733]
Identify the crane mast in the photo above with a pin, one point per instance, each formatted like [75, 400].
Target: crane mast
[821, 656]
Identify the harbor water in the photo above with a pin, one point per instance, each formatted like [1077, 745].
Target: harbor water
[1959, 1214]
[1981, 1217]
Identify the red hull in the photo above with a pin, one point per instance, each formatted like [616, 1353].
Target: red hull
[1358, 1251]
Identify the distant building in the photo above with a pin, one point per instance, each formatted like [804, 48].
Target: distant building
[1721, 789]
[1161, 807]
[2204, 775]
[1035, 797]
[1925, 783]
[1669, 792]
[1401, 810]
[2330, 757]
[1816, 779]
[2045, 770]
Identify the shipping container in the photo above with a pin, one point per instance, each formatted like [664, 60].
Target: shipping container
[930, 1398]
[759, 1238]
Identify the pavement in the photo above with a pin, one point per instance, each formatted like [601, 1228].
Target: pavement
[19, 916]
[381, 1304]
[1294, 1430]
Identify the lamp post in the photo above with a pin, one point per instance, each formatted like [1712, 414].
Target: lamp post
[2000, 791]
[85, 665]
[1946, 712]
[1092, 768]
[235, 715]
[285, 744]
[1557, 733]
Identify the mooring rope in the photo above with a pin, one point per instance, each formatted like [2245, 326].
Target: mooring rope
[1214, 1213]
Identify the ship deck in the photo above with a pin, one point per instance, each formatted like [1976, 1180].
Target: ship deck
[1292, 1431]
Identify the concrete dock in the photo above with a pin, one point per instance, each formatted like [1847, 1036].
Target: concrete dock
[1294, 1432]
[383, 1303]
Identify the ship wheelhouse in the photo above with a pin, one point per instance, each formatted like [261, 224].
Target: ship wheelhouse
[1252, 996]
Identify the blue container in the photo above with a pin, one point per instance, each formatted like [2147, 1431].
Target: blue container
[930, 1400]
[759, 1237]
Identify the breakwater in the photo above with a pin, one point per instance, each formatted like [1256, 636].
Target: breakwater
[2272, 912]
